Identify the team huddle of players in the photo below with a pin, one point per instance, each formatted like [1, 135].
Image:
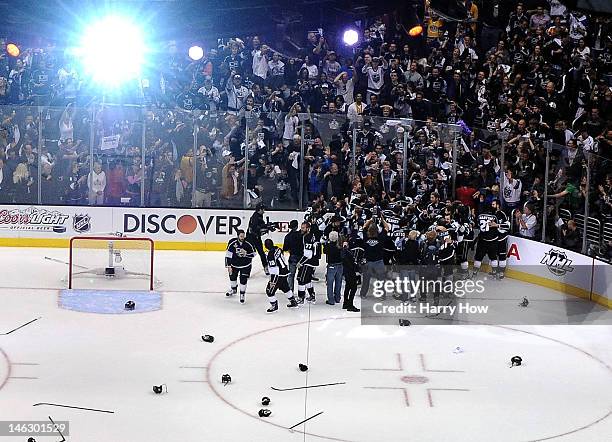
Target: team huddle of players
[434, 236]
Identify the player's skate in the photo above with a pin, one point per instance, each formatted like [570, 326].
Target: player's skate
[273, 307]
[292, 303]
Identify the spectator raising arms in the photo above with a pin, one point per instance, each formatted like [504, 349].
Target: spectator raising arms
[464, 112]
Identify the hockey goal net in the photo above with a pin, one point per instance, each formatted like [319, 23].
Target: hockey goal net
[111, 262]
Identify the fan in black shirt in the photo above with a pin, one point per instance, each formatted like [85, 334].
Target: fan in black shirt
[373, 253]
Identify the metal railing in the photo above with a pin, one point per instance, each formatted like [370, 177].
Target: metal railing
[108, 154]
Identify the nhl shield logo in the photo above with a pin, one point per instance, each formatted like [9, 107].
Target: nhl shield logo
[557, 262]
[81, 223]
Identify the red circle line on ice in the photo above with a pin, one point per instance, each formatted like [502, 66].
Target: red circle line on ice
[8, 369]
[218, 393]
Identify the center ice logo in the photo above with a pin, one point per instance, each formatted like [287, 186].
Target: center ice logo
[557, 262]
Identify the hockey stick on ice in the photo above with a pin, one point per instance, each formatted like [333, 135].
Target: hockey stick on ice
[64, 262]
[21, 326]
[70, 406]
[58, 430]
[306, 420]
[309, 386]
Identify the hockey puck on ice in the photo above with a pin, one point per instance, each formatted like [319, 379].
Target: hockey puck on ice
[226, 379]
[303, 367]
[208, 338]
[157, 389]
[404, 323]
[265, 401]
[130, 305]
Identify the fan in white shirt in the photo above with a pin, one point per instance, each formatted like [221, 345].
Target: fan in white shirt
[345, 87]
[210, 93]
[96, 181]
[526, 221]
[260, 62]
[376, 76]
[355, 110]
[512, 190]
[292, 121]
[276, 66]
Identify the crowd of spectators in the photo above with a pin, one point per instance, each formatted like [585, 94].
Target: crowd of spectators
[521, 74]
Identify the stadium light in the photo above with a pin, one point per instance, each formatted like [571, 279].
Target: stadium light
[415, 30]
[350, 37]
[112, 51]
[196, 53]
[13, 50]
[414, 26]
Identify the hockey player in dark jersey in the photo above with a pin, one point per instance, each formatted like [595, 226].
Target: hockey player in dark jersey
[430, 263]
[393, 217]
[357, 220]
[402, 230]
[238, 261]
[465, 238]
[407, 258]
[433, 209]
[351, 255]
[447, 255]
[503, 227]
[410, 217]
[257, 228]
[279, 272]
[307, 264]
[487, 239]
[317, 220]
[445, 222]
[388, 244]
[356, 247]
[337, 224]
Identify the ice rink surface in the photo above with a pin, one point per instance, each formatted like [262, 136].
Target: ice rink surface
[399, 383]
